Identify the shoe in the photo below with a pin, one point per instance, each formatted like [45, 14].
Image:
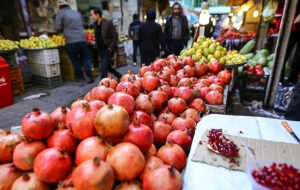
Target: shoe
[134, 64]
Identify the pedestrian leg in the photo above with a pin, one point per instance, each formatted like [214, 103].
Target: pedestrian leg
[105, 62]
[85, 58]
[134, 51]
[72, 51]
[171, 47]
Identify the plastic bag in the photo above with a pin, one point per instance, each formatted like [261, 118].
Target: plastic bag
[269, 12]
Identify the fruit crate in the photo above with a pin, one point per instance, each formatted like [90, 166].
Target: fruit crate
[17, 87]
[67, 69]
[45, 70]
[43, 56]
[221, 109]
[51, 82]
[10, 57]
[15, 74]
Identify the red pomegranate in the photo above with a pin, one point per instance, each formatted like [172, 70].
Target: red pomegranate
[143, 70]
[143, 117]
[129, 185]
[185, 82]
[112, 121]
[182, 122]
[67, 181]
[96, 104]
[94, 174]
[204, 81]
[211, 79]
[144, 103]
[196, 92]
[8, 143]
[176, 105]
[188, 60]
[173, 80]
[218, 81]
[203, 92]
[214, 67]
[170, 70]
[167, 117]
[198, 104]
[8, 174]
[201, 68]
[79, 102]
[153, 117]
[127, 76]
[63, 139]
[214, 98]
[151, 164]
[26, 152]
[59, 115]
[87, 96]
[112, 82]
[171, 56]
[101, 93]
[216, 87]
[127, 161]
[194, 80]
[172, 154]
[65, 188]
[137, 81]
[80, 122]
[160, 131]
[185, 93]
[157, 65]
[129, 88]
[167, 89]
[151, 152]
[200, 85]
[160, 99]
[182, 138]
[140, 135]
[122, 99]
[193, 114]
[181, 75]
[176, 64]
[190, 70]
[163, 178]
[163, 82]
[225, 75]
[52, 165]
[29, 181]
[151, 82]
[37, 125]
[164, 75]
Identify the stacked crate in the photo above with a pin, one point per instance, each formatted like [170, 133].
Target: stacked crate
[16, 81]
[67, 70]
[45, 67]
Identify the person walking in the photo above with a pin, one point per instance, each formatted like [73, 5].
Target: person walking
[106, 38]
[133, 34]
[176, 30]
[70, 23]
[151, 39]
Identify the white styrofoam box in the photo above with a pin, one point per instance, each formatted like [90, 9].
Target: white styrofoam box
[45, 70]
[44, 56]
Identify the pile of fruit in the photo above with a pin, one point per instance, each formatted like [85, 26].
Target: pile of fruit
[133, 133]
[8, 45]
[58, 40]
[208, 50]
[35, 42]
[89, 35]
[235, 35]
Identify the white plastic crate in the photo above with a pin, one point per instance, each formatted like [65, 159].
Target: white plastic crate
[44, 56]
[45, 70]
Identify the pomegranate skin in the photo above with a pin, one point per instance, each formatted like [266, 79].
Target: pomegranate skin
[59, 115]
[143, 117]
[101, 93]
[160, 131]
[124, 100]
[167, 116]
[130, 185]
[182, 123]
[182, 138]
[160, 99]
[176, 105]
[151, 152]
[152, 163]
[144, 103]
[8, 174]
[29, 181]
[198, 104]
[192, 114]
[8, 143]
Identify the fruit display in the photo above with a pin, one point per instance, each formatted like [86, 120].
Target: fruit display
[207, 50]
[8, 45]
[235, 35]
[58, 40]
[89, 35]
[35, 42]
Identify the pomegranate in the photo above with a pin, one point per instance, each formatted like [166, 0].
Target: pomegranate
[160, 99]
[137, 81]
[214, 98]
[124, 100]
[127, 76]
[164, 75]
[140, 135]
[190, 70]
[153, 117]
[163, 178]
[143, 70]
[62, 138]
[163, 82]
[112, 82]
[94, 174]
[151, 82]
[26, 152]
[167, 117]
[80, 122]
[185, 82]
[194, 80]
[170, 70]
[151, 164]
[173, 80]
[112, 121]
[193, 114]
[160, 131]
[68, 180]
[8, 174]
[181, 75]
[130, 185]
[182, 122]
[176, 105]
[37, 125]
[101, 93]
[96, 104]
[216, 87]
[204, 81]
[59, 115]
[29, 181]
[172, 154]
[129, 88]
[144, 103]
[52, 165]
[157, 65]
[8, 143]
[127, 161]
[198, 104]
[78, 103]
[225, 76]
[151, 152]
[218, 81]
[200, 85]
[214, 67]
[182, 138]
[201, 68]
[203, 92]
[211, 79]
[65, 188]
[167, 89]
[185, 93]
[196, 92]
[171, 56]
[143, 117]
[188, 60]
[176, 64]
[87, 96]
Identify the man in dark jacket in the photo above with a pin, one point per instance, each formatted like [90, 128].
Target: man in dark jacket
[106, 38]
[176, 30]
[151, 39]
[70, 23]
[133, 33]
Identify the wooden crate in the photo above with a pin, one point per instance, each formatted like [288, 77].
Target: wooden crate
[17, 88]
[221, 109]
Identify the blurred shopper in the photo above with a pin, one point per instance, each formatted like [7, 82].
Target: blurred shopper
[70, 23]
[133, 33]
[176, 30]
[106, 38]
[151, 38]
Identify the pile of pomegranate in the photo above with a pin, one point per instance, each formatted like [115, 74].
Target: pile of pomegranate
[132, 134]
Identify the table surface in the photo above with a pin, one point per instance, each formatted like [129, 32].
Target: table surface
[203, 176]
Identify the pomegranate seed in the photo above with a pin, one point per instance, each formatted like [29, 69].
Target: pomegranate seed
[200, 142]
[241, 132]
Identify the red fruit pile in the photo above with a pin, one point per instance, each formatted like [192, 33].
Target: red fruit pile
[278, 176]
